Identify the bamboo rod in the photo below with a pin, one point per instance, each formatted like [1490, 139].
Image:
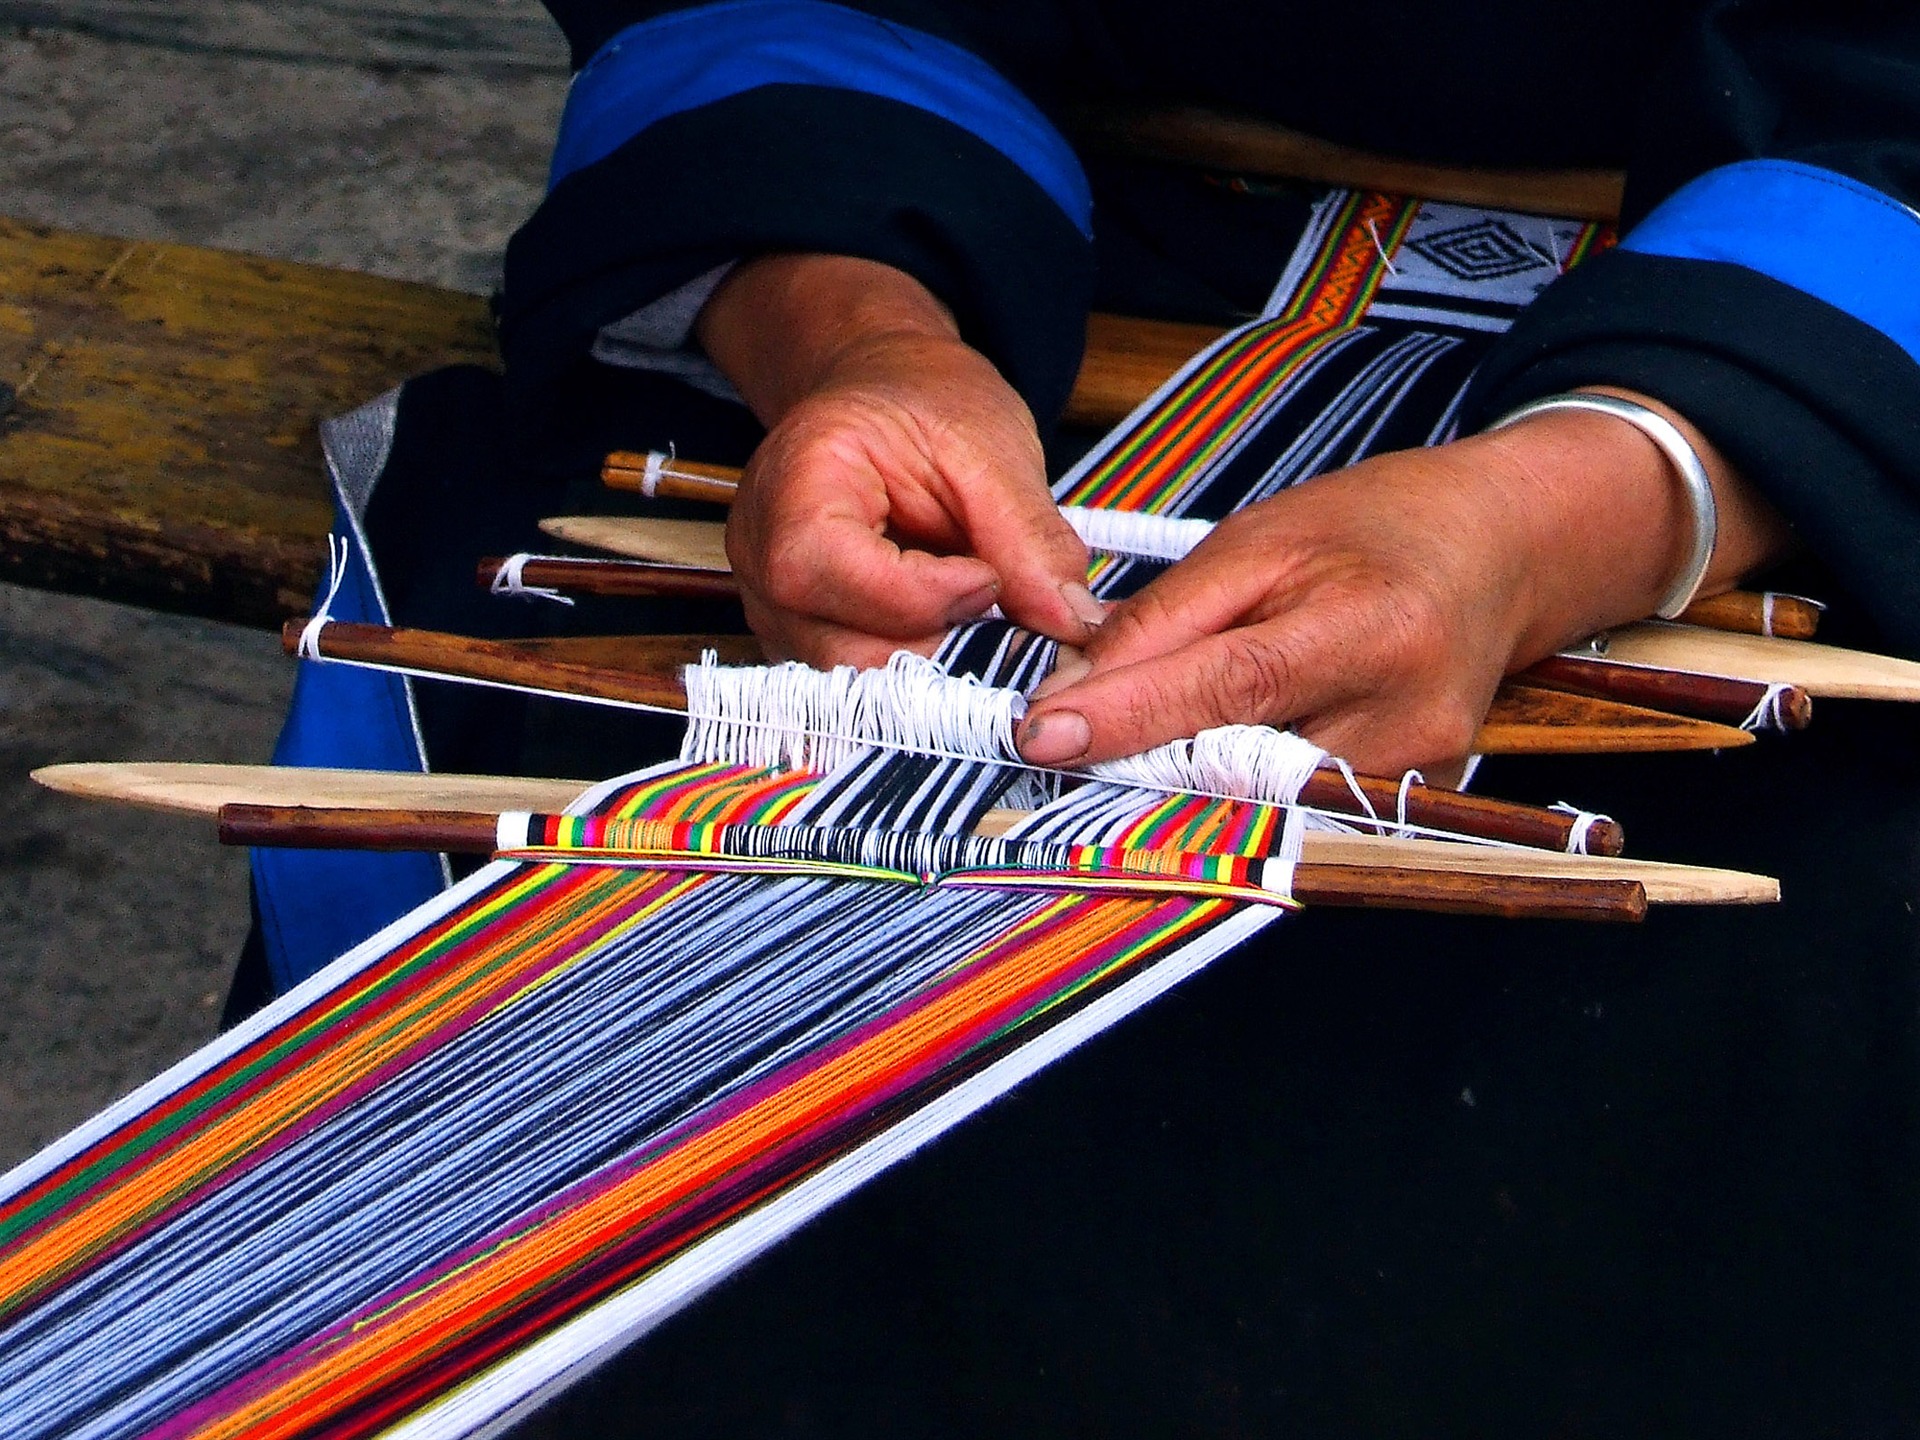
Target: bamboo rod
[184, 788]
[1756, 612]
[621, 579]
[489, 661]
[459, 657]
[1715, 697]
[1360, 885]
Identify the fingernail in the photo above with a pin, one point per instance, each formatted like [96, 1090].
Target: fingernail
[1056, 737]
[1087, 610]
[974, 605]
[1069, 665]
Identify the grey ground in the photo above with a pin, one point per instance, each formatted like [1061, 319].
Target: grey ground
[405, 138]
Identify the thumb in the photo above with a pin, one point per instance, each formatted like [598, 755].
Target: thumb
[1041, 562]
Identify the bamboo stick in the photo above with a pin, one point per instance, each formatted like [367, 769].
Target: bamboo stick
[1526, 719]
[458, 657]
[1756, 612]
[685, 544]
[178, 788]
[617, 578]
[1361, 885]
[1716, 697]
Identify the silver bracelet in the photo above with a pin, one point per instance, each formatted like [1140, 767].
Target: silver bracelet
[1686, 463]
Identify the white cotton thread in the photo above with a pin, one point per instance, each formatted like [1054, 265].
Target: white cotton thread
[1769, 714]
[510, 579]
[1407, 782]
[338, 557]
[650, 476]
[1766, 614]
[1373, 233]
[1359, 793]
[1583, 823]
[1136, 533]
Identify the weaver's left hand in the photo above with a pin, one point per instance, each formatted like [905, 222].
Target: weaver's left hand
[1375, 610]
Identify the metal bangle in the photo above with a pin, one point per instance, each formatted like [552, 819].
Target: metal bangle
[1686, 463]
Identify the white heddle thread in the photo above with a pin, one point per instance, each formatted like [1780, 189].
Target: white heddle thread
[510, 579]
[338, 557]
[1766, 613]
[1767, 715]
[1135, 532]
[793, 716]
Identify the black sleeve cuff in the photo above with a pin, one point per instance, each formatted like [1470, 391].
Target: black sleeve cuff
[799, 168]
[1819, 411]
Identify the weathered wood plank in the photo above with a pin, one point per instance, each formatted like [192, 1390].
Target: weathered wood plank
[161, 447]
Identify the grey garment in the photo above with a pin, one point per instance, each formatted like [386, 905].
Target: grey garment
[659, 336]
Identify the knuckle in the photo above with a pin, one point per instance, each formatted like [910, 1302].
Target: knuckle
[1256, 684]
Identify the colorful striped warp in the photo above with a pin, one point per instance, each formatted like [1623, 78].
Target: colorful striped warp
[524, 1124]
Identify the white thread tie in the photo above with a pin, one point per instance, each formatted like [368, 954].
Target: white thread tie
[1768, 714]
[510, 579]
[338, 557]
[1583, 823]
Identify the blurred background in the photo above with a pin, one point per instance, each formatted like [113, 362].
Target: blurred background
[406, 139]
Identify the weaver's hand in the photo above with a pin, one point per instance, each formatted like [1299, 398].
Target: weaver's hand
[1376, 609]
[901, 488]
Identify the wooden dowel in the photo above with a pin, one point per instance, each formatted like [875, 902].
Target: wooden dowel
[1714, 697]
[1387, 887]
[1756, 612]
[1460, 813]
[621, 579]
[299, 827]
[461, 657]
[1509, 897]
[668, 477]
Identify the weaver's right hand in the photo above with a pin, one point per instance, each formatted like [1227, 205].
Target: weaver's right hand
[901, 489]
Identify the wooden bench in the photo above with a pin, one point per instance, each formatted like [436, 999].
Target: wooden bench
[160, 445]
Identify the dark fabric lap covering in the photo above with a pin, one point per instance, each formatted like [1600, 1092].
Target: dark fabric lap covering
[1373, 1174]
